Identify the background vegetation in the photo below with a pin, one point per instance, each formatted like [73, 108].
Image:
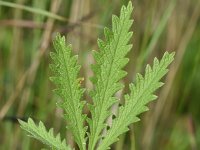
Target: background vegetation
[27, 28]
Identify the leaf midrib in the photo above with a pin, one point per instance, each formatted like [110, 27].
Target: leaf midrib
[73, 109]
[110, 69]
[138, 98]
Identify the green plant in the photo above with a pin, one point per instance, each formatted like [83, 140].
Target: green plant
[107, 75]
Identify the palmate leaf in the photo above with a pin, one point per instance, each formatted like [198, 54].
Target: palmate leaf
[108, 71]
[66, 69]
[140, 94]
[47, 137]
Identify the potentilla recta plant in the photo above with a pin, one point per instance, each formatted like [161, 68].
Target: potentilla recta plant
[108, 71]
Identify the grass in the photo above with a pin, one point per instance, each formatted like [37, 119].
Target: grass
[27, 28]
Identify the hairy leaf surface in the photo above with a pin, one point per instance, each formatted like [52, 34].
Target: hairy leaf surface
[135, 103]
[108, 71]
[66, 70]
[47, 137]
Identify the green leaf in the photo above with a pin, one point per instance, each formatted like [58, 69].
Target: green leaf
[66, 69]
[108, 71]
[47, 137]
[141, 93]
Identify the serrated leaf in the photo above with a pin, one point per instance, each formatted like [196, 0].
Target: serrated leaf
[46, 137]
[135, 103]
[66, 69]
[108, 71]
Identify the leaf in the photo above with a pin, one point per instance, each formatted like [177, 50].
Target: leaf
[66, 69]
[108, 71]
[141, 93]
[47, 137]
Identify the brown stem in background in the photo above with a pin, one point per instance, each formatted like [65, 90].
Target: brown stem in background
[30, 73]
[63, 29]
[150, 129]
[46, 38]
[191, 131]
[22, 23]
[15, 50]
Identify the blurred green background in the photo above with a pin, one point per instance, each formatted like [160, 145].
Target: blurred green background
[27, 28]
